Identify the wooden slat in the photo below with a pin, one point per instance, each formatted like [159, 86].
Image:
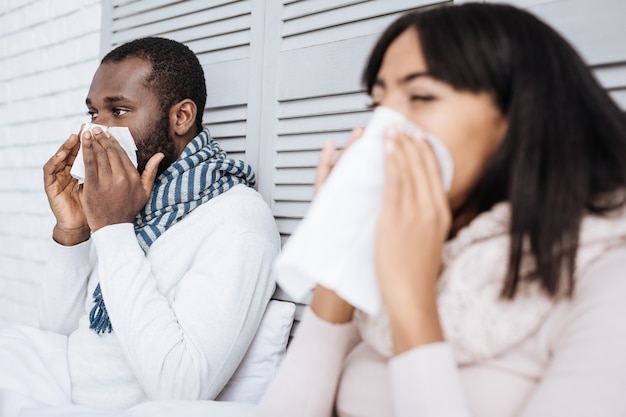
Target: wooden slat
[596, 33]
[225, 114]
[613, 76]
[121, 3]
[125, 31]
[301, 192]
[371, 26]
[323, 70]
[295, 176]
[324, 123]
[128, 8]
[291, 209]
[209, 30]
[522, 4]
[155, 14]
[227, 83]
[306, 8]
[311, 141]
[228, 129]
[307, 159]
[340, 103]
[238, 155]
[125, 9]
[223, 55]
[287, 226]
[620, 98]
[219, 42]
[232, 144]
[349, 14]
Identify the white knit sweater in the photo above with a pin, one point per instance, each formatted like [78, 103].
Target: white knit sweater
[183, 314]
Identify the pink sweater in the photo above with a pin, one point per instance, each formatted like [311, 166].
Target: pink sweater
[573, 365]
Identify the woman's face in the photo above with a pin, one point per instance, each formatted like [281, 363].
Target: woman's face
[469, 124]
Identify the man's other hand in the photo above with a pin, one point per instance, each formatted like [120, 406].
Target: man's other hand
[63, 195]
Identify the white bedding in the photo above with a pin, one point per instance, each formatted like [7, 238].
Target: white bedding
[34, 382]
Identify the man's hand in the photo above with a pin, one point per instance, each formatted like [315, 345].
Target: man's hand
[64, 195]
[113, 191]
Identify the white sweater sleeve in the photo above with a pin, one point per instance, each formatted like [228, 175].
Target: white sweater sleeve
[189, 348]
[64, 288]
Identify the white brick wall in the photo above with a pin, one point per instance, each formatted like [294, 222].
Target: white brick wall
[49, 51]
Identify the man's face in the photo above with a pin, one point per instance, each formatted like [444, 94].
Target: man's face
[120, 96]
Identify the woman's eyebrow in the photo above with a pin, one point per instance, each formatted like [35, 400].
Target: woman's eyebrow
[405, 80]
[410, 77]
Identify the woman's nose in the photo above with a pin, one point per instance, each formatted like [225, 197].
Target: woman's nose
[395, 102]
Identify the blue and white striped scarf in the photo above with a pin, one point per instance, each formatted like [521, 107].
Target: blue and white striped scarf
[200, 173]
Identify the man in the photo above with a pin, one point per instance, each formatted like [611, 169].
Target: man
[159, 275]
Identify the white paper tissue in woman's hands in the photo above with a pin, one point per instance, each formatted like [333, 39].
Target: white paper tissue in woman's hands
[334, 244]
[123, 136]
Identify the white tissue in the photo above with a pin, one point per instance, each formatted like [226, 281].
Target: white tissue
[334, 244]
[123, 136]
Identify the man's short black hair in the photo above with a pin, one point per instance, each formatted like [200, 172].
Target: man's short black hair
[176, 72]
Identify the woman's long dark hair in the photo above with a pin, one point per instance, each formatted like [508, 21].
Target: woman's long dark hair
[565, 149]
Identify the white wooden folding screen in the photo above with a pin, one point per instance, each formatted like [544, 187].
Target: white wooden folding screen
[283, 76]
[218, 31]
[597, 30]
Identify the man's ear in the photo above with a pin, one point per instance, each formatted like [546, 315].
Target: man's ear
[183, 117]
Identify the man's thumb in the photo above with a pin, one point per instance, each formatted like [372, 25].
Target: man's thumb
[150, 171]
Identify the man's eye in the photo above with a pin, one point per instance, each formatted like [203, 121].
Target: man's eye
[119, 112]
[92, 114]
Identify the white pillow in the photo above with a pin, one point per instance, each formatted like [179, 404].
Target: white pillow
[264, 355]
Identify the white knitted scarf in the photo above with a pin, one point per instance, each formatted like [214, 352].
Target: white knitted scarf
[476, 322]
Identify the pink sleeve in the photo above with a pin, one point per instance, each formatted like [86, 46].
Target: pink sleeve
[587, 376]
[425, 381]
[306, 382]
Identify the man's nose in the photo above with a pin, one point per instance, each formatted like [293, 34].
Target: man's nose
[101, 119]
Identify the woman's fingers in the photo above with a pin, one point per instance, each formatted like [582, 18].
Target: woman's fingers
[356, 134]
[392, 194]
[326, 164]
[433, 173]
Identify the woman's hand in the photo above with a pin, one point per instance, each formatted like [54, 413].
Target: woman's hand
[64, 195]
[113, 192]
[326, 304]
[414, 221]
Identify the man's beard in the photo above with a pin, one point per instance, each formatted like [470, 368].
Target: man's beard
[156, 140]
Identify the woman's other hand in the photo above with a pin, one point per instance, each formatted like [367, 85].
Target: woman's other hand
[413, 224]
[326, 304]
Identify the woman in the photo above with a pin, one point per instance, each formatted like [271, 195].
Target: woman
[503, 297]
